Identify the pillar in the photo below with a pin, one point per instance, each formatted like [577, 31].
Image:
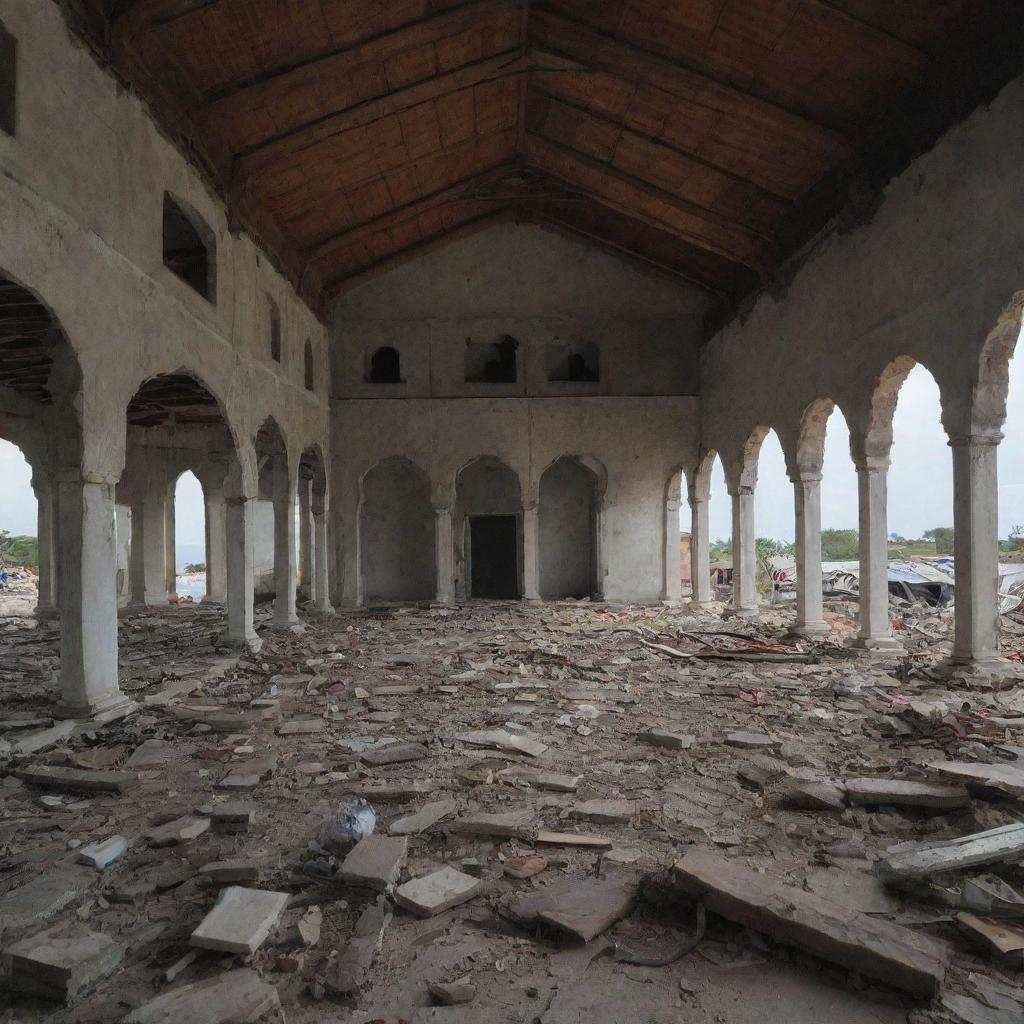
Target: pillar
[347, 527]
[137, 556]
[321, 584]
[807, 512]
[700, 549]
[875, 629]
[239, 538]
[444, 555]
[87, 562]
[216, 550]
[284, 550]
[170, 546]
[744, 552]
[672, 583]
[307, 573]
[976, 549]
[531, 552]
[154, 534]
[46, 599]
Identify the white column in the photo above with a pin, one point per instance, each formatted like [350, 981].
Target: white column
[284, 550]
[807, 512]
[216, 550]
[444, 556]
[137, 556]
[700, 550]
[531, 552]
[744, 553]
[672, 583]
[154, 534]
[347, 533]
[170, 547]
[875, 629]
[239, 535]
[321, 560]
[307, 574]
[46, 607]
[976, 549]
[87, 564]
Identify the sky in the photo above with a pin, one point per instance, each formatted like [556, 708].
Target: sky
[920, 479]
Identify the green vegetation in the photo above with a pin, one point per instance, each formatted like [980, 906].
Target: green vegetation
[839, 545]
[195, 567]
[22, 551]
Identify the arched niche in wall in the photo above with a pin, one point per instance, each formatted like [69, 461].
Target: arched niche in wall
[491, 362]
[189, 247]
[385, 366]
[308, 367]
[396, 533]
[574, 362]
[568, 512]
[488, 527]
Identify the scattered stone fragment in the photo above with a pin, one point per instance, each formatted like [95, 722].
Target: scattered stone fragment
[429, 814]
[583, 907]
[395, 691]
[814, 796]
[301, 727]
[309, 925]
[240, 920]
[375, 862]
[235, 997]
[224, 872]
[501, 739]
[453, 994]
[232, 818]
[391, 791]
[102, 855]
[181, 830]
[437, 892]
[240, 780]
[604, 812]
[903, 792]
[61, 963]
[507, 824]
[1004, 777]
[555, 782]
[349, 971]
[751, 741]
[1005, 939]
[77, 779]
[41, 898]
[150, 754]
[669, 740]
[394, 753]
[908, 861]
[525, 867]
[574, 839]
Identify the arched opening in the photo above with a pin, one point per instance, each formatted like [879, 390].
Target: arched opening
[189, 538]
[491, 362]
[274, 540]
[396, 533]
[385, 366]
[189, 247]
[568, 530]
[309, 367]
[274, 329]
[19, 539]
[1011, 474]
[488, 530]
[8, 81]
[775, 572]
[711, 483]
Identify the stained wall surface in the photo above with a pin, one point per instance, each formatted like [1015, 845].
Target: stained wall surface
[567, 510]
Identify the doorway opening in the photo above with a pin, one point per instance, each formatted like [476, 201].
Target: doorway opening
[493, 557]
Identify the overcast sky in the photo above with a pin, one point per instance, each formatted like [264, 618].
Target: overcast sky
[920, 480]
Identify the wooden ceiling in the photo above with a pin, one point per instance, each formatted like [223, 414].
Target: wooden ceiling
[710, 138]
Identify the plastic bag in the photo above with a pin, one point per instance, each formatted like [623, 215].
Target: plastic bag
[355, 821]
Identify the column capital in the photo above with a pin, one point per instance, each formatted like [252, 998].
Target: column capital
[442, 510]
[741, 491]
[986, 439]
[694, 496]
[872, 464]
[672, 504]
[531, 508]
[809, 476]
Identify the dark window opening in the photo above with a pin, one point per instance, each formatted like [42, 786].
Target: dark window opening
[8, 81]
[275, 329]
[491, 362]
[493, 557]
[308, 370]
[188, 248]
[576, 364]
[385, 366]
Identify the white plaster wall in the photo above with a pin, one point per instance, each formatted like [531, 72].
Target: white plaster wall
[81, 194]
[927, 278]
[568, 498]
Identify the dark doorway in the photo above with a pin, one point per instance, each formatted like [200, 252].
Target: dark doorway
[494, 565]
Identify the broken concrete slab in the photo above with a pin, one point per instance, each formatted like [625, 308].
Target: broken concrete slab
[181, 830]
[604, 812]
[668, 740]
[906, 793]
[751, 741]
[153, 753]
[375, 862]
[907, 861]
[506, 824]
[301, 727]
[524, 867]
[583, 907]
[437, 892]
[61, 962]
[394, 753]
[1004, 777]
[814, 796]
[240, 920]
[455, 993]
[573, 839]
[876, 948]
[223, 872]
[350, 970]
[77, 779]
[555, 782]
[386, 792]
[231, 817]
[35, 741]
[41, 898]
[429, 814]
[102, 855]
[502, 739]
[235, 997]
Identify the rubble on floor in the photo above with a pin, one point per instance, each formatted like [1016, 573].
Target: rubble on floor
[470, 813]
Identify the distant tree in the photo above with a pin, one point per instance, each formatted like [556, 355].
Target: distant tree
[195, 567]
[18, 550]
[1016, 540]
[942, 538]
[721, 550]
[895, 538]
[839, 545]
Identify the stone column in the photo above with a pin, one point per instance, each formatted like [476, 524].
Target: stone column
[321, 584]
[239, 536]
[307, 574]
[87, 563]
[531, 552]
[875, 629]
[347, 527]
[154, 539]
[284, 550]
[171, 553]
[976, 549]
[444, 555]
[46, 605]
[807, 512]
[137, 556]
[216, 550]
[672, 583]
[744, 553]
[700, 550]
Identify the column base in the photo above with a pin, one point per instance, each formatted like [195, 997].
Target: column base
[810, 629]
[106, 709]
[250, 642]
[157, 600]
[746, 613]
[291, 622]
[701, 606]
[214, 599]
[46, 614]
[989, 663]
[878, 645]
[322, 612]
